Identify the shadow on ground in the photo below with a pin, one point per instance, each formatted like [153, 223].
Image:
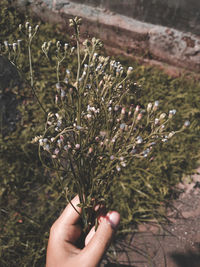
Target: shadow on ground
[188, 259]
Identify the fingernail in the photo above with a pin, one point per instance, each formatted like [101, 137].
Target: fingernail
[113, 219]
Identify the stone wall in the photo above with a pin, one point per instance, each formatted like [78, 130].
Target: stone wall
[126, 35]
[183, 15]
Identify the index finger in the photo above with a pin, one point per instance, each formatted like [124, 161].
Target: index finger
[71, 214]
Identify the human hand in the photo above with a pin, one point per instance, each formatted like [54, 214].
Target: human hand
[66, 232]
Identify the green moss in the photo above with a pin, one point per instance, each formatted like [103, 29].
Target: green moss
[31, 198]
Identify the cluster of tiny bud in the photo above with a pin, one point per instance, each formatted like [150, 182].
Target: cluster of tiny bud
[10, 49]
[97, 130]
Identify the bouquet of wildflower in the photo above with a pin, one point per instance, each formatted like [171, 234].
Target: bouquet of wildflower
[96, 129]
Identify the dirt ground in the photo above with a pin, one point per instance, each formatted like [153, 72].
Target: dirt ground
[174, 245]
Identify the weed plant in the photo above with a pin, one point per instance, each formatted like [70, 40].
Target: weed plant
[31, 194]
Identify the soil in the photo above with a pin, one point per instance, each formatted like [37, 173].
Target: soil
[176, 244]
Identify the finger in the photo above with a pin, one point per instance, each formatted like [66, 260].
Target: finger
[90, 235]
[100, 241]
[71, 214]
[101, 213]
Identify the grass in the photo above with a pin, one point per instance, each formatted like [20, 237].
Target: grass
[30, 197]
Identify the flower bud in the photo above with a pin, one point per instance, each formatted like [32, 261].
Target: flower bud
[14, 47]
[139, 116]
[118, 168]
[59, 142]
[156, 104]
[44, 45]
[122, 126]
[162, 116]
[172, 113]
[149, 106]
[90, 150]
[66, 80]
[77, 146]
[58, 44]
[123, 164]
[139, 140]
[123, 111]
[36, 28]
[66, 46]
[171, 134]
[56, 151]
[26, 25]
[156, 121]
[186, 124]
[67, 72]
[129, 71]
[62, 93]
[46, 147]
[137, 108]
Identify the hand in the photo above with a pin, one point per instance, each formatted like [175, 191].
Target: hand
[65, 233]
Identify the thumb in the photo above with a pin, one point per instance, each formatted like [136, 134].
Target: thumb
[97, 246]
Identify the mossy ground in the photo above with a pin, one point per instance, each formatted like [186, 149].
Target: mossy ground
[31, 198]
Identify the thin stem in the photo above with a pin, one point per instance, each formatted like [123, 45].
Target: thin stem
[30, 62]
[31, 75]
